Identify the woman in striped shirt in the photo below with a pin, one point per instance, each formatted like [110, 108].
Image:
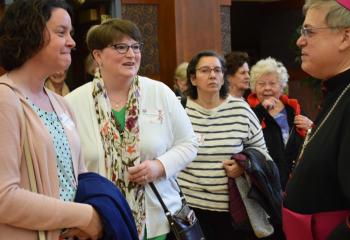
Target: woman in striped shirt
[224, 125]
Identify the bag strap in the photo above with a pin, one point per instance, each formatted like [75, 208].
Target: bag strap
[166, 210]
[154, 189]
[30, 166]
[29, 160]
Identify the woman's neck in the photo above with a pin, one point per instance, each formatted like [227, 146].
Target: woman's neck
[28, 81]
[118, 91]
[209, 101]
[235, 92]
[32, 87]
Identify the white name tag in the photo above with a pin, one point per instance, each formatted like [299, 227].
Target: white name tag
[67, 121]
[155, 117]
[200, 138]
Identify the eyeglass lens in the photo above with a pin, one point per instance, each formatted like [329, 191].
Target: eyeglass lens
[124, 48]
[207, 70]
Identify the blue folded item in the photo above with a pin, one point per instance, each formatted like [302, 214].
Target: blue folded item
[111, 205]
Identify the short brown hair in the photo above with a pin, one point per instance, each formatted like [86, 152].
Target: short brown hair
[235, 60]
[100, 36]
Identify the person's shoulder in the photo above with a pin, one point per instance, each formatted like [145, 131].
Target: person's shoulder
[148, 84]
[238, 102]
[79, 92]
[8, 93]
[240, 106]
[145, 81]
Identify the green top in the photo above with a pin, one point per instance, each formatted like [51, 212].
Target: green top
[160, 237]
[120, 117]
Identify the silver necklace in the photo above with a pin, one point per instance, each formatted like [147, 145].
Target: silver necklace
[116, 104]
[309, 137]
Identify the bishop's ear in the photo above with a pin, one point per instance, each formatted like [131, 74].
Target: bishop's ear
[345, 44]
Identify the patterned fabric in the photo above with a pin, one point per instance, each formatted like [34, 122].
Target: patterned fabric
[67, 182]
[121, 152]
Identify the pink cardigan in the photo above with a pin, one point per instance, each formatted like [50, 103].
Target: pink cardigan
[22, 212]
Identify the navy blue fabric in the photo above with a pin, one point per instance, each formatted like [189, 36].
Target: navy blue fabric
[266, 187]
[111, 205]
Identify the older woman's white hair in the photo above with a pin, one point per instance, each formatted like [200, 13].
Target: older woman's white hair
[267, 66]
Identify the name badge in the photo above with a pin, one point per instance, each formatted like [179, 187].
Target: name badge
[155, 117]
[200, 138]
[67, 121]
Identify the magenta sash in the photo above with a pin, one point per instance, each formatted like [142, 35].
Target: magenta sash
[316, 226]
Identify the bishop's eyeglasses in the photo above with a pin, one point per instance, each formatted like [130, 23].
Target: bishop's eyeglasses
[309, 31]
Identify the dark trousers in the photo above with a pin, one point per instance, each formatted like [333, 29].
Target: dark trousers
[218, 225]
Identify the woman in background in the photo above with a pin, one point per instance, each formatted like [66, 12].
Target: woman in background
[90, 66]
[283, 124]
[237, 71]
[180, 79]
[133, 129]
[224, 126]
[35, 42]
[55, 83]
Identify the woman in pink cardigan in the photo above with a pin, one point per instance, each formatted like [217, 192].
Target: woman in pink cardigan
[35, 41]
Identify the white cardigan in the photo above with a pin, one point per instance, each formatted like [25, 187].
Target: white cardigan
[171, 140]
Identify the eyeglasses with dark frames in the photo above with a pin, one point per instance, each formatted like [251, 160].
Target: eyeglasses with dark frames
[206, 70]
[123, 48]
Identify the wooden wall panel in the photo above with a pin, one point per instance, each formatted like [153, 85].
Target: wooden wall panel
[145, 16]
[225, 15]
[184, 28]
[2, 8]
[167, 43]
[140, 1]
[197, 27]
[225, 2]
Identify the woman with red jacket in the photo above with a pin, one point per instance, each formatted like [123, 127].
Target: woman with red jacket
[283, 125]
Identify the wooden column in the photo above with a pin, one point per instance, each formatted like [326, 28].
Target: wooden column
[197, 27]
[184, 28]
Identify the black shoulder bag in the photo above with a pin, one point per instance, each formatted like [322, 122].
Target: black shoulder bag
[184, 223]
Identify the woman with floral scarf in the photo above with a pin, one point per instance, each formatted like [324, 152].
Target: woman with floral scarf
[133, 129]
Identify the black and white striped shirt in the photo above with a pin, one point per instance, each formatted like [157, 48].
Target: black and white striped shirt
[221, 132]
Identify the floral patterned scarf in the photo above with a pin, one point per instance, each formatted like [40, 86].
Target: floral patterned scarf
[121, 147]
